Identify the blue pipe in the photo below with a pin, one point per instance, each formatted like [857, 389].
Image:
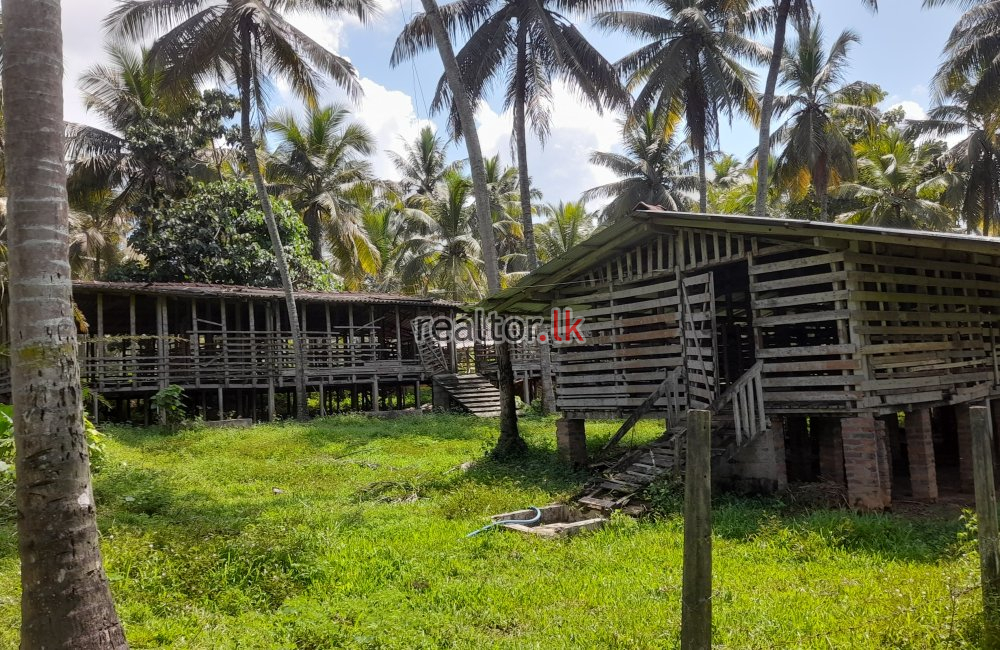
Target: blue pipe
[521, 522]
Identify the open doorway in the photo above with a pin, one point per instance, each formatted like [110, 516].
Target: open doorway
[736, 348]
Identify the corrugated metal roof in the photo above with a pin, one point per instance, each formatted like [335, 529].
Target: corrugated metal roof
[648, 220]
[203, 290]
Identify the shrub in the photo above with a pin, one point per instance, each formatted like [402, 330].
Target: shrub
[169, 403]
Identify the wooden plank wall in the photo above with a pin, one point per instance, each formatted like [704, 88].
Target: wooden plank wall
[927, 324]
[801, 323]
[632, 309]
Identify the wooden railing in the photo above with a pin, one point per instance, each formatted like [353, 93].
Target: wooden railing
[240, 358]
[746, 395]
[671, 389]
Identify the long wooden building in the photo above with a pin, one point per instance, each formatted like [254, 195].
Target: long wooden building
[229, 348]
[826, 351]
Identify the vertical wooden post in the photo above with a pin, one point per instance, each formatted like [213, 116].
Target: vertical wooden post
[195, 342]
[416, 394]
[696, 599]
[986, 512]
[322, 400]
[224, 326]
[133, 345]
[272, 339]
[399, 338]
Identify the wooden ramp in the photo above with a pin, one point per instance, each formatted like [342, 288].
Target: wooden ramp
[473, 393]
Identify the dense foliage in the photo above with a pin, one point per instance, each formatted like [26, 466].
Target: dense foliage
[217, 234]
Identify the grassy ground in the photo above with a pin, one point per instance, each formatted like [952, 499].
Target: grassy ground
[350, 532]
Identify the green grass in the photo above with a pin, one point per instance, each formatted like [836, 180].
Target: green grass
[364, 547]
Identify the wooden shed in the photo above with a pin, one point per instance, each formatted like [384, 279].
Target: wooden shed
[827, 352]
[229, 348]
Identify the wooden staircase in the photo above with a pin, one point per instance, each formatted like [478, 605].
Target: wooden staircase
[473, 393]
[737, 418]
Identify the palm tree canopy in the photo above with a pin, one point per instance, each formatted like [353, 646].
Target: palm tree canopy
[898, 182]
[693, 58]
[444, 256]
[652, 168]
[498, 31]
[321, 165]
[423, 162]
[816, 149]
[566, 225]
[203, 40]
[975, 158]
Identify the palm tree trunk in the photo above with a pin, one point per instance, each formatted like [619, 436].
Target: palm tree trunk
[510, 440]
[702, 180]
[250, 148]
[520, 136]
[65, 598]
[311, 217]
[524, 185]
[767, 108]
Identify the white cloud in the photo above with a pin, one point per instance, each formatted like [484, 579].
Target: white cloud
[392, 118]
[83, 47]
[911, 109]
[561, 169]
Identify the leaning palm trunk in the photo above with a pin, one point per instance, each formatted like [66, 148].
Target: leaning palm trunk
[510, 440]
[65, 598]
[767, 108]
[272, 226]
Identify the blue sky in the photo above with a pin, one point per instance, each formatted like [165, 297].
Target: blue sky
[900, 49]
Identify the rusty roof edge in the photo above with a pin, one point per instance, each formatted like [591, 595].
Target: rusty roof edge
[622, 232]
[198, 289]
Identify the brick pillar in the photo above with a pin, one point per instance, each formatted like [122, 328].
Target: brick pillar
[864, 442]
[440, 399]
[571, 441]
[920, 454]
[963, 430]
[831, 450]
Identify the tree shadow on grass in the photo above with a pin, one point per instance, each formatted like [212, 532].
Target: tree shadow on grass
[807, 533]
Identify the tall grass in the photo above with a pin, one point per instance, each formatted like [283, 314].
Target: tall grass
[350, 532]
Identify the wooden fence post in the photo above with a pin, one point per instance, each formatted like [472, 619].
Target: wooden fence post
[696, 598]
[986, 514]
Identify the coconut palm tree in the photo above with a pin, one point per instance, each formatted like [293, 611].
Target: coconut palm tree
[800, 12]
[246, 44]
[423, 163]
[320, 164]
[975, 158]
[652, 168]
[565, 226]
[123, 92]
[693, 64]
[816, 150]
[98, 232]
[66, 600]
[972, 54]
[524, 46]
[899, 182]
[445, 258]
